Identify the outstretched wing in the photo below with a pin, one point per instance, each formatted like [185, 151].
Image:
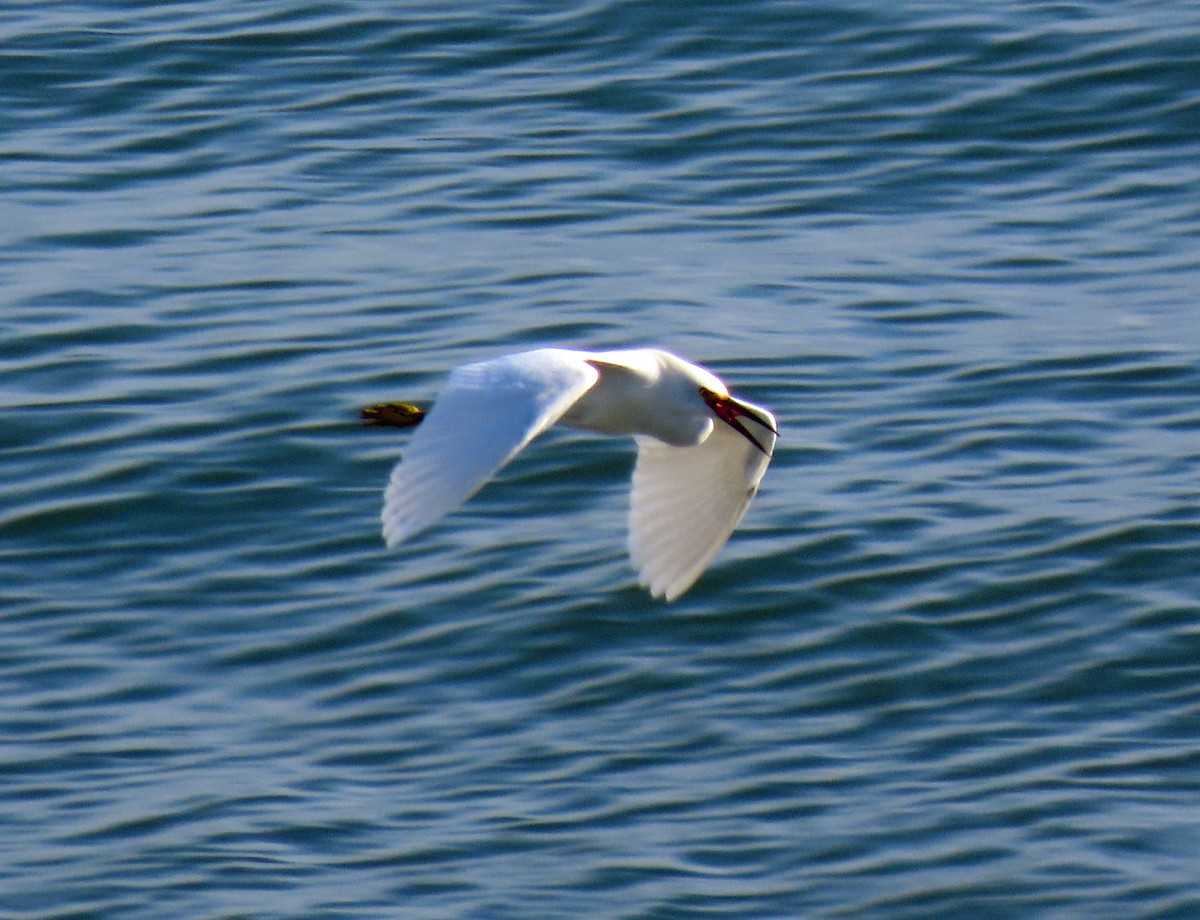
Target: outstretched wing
[686, 501]
[485, 414]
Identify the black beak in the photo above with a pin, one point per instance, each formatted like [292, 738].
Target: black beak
[731, 411]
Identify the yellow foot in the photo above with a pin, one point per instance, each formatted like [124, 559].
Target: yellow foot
[393, 415]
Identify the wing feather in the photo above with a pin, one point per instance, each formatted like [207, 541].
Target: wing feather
[484, 415]
[686, 501]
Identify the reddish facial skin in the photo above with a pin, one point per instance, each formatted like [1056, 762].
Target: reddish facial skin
[729, 410]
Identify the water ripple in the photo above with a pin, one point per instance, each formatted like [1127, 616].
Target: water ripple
[946, 666]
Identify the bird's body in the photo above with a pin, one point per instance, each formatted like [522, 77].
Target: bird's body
[642, 392]
[699, 463]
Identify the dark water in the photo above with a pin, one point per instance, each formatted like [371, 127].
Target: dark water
[950, 665]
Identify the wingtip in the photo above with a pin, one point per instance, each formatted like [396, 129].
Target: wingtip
[666, 592]
[394, 533]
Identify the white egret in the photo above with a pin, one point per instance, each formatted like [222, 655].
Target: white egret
[701, 452]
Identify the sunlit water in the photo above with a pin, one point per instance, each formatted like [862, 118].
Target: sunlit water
[948, 667]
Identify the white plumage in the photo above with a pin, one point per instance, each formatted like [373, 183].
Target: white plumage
[701, 453]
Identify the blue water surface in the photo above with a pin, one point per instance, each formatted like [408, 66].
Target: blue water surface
[948, 667]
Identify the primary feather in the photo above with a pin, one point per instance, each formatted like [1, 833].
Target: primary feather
[485, 414]
[686, 501]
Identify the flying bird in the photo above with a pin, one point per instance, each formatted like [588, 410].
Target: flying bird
[701, 452]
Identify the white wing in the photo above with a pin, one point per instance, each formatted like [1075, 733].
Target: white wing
[485, 414]
[687, 500]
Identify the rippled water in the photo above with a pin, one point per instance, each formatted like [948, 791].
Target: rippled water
[950, 664]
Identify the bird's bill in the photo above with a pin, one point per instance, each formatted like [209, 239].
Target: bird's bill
[731, 411]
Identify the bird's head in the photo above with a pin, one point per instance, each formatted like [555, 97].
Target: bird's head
[731, 411]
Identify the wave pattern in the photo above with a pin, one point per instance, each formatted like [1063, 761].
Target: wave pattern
[946, 666]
